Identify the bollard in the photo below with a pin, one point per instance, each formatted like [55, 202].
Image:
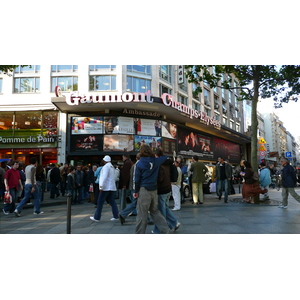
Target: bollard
[69, 199]
[123, 199]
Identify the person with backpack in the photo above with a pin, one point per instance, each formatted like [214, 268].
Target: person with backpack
[167, 174]
[251, 185]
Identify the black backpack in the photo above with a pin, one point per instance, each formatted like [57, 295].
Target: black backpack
[173, 173]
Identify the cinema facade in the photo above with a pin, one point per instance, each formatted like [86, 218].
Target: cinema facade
[84, 112]
[110, 123]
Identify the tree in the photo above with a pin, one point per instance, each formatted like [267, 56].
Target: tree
[254, 82]
[7, 68]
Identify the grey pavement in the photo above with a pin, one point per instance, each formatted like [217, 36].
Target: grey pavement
[213, 217]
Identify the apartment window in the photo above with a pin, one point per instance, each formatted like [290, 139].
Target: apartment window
[216, 102]
[145, 69]
[208, 111]
[206, 97]
[182, 99]
[27, 85]
[138, 85]
[230, 96]
[235, 90]
[27, 69]
[217, 117]
[64, 68]
[231, 125]
[66, 83]
[1, 83]
[103, 83]
[196, 105]
[102, 67]
[165, 72]
[164, 89]
[237, 127]
[224, 121]
[184, 86]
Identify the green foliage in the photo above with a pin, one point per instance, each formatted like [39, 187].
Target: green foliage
[10, 68]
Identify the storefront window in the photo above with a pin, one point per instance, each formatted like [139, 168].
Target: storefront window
[50, 119]
[102, 83]
[138, 85]
[66, 83]
[6, 120]
[28, 120]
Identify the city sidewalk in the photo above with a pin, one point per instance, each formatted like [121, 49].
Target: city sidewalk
[213, 217]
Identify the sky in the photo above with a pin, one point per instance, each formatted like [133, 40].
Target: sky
[289, 113]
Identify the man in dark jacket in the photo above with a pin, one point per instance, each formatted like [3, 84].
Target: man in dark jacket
[55, 180]
[289, 181]
[164, 190]
[145, 189]
[125, 177]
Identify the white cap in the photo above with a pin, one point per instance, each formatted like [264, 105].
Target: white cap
[107, 158]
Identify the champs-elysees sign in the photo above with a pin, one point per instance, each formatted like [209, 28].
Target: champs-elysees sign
[76, 99]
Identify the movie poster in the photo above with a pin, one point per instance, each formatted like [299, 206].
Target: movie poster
[153, 142]
[193, 143]
[169, 130]
[87, 125]
[86, 142]
[147, 127]
[119, 142]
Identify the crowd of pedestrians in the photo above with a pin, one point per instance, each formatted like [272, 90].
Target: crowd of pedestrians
[145, 185]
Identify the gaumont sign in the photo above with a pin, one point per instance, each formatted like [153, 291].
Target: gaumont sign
[75, 98]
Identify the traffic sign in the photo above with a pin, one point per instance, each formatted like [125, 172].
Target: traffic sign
[288, 154]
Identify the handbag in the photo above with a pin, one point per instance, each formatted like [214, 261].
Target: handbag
[91, 188]
[7, 198]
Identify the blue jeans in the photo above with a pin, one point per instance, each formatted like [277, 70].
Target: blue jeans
[163, 206]
[111, 198]
[130, 208]
[223, 185]
[27, 195]
[11, 206]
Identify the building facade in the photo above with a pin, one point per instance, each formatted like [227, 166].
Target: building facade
[78, 113]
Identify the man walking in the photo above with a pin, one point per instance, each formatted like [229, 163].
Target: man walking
[224, 174]
[145, 190]
[30, 189]
[289, 182]
[12, 182]
[107, 188]
[198, 170]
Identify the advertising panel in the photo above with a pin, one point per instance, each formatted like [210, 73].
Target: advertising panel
[192, 143]
[169, 130]
[122, 143]
[153, 142]
[87, 125]
[86, 142]
[147, 127]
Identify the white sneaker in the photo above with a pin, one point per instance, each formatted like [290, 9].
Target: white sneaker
[113, 219]
[177, 226]
[282, 206]
[41, 212]
[174, 209]
[93, 219]
[5, 212]
[17, 214]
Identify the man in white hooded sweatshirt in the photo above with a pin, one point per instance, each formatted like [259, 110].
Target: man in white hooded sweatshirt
[107, 189]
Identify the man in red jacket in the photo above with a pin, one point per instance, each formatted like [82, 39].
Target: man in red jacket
[12, 182]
